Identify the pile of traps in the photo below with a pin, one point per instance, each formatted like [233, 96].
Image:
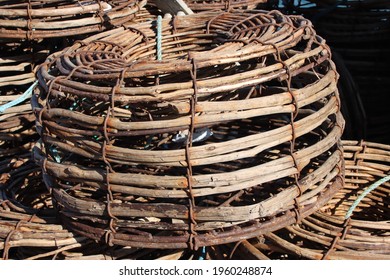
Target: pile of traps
[29, 32]
[353, 224]
[214, 135]
[58, 18]
[210, 129]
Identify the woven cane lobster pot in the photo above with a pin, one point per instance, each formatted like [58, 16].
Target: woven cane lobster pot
[330, 233]
[27, 218]
[234, 132]
[34, 19]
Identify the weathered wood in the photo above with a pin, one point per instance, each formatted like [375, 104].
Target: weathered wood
[50, 19]
[259, 84]
[252, 250]
[326, 233]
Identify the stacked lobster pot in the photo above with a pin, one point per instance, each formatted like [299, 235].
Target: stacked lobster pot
[53, 19]
[28, 223]
[352, 225]
[29, 32]
[207, 129]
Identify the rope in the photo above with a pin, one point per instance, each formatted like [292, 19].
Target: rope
[159, 38]
[363, 194]
[20, 99]
[203, 254]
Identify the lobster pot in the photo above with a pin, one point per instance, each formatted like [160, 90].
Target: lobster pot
[16, 64]
[27, 218]
[330, 233]
[57, 18]
[227, 127]
[29, 31]
[29, 227]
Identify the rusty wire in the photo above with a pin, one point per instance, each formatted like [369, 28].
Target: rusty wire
[48, 19]
[327, 234]
[261, 84]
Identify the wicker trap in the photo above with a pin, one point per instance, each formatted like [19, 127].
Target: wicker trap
[232, 132]
[328, 234]
[27, 218]
[58, 18]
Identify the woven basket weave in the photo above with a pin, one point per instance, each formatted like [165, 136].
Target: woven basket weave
[260, 84]
[27, 218]
[36, 20]
[328, 234]
[58, 18]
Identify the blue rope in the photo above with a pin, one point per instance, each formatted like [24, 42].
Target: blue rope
[159, 38]
[20, 99]
[363, 194]
[203, 255]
